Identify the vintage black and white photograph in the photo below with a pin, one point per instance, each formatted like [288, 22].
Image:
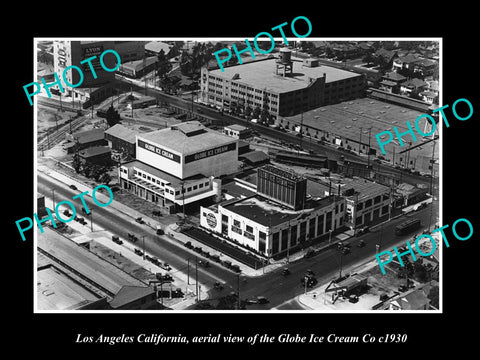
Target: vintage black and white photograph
[256, 174]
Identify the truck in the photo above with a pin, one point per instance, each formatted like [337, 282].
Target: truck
[407, 226]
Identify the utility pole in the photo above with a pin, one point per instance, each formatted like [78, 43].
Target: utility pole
[360, 145]
[341, 262]
[368, 156]
[238, 291]
[53, 198]
[188, 271]
[91, 221]
[183, 202]
[196, 279]
[143, 241]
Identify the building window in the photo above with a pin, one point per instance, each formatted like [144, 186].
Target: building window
[368, 203]
[275, 242]
[200, 186]
[377, 199]
[328, 224]
[144, 176]
[206, 184]
[236, 223]
[311, 228]
[224, 218]
[293, 235]
[359, 206]
[284, 239]
[189, 189]
[249, 229]
[320, 224]
[341, 207]
[262, 243]
[177, 192]
[195, 187]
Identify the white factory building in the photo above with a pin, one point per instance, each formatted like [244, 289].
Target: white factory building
[179, 165]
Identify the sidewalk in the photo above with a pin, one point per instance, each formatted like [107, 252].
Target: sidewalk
[127, 250]
[174, 236]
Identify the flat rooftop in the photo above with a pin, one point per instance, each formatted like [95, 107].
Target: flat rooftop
[260, 74]
[57, 291]
[84, 262]
[352, 120]
[364, 188]
[122, 133]
[187, 138]
[270, 213]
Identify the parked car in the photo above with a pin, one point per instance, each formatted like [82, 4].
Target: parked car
[361, 243]
[262, 300]
[235, 268]
[204, 263]
[286, 271]
[310, 281]
[73, 187]
[218, 285]
[117, 240]
[138, 252]
[363, 230]
[188, 244]
[140, 220]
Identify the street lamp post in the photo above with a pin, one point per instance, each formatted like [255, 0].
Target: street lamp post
[53, 198]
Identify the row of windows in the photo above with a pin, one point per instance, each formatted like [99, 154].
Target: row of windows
[149, 178]
[368, 203]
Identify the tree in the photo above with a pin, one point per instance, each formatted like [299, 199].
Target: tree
[76, 163]
[105, 178]
[87, 169]
[163, 65]
[112, 116]
[434, 296]
[368, 58]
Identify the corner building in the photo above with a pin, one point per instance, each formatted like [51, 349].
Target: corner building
[269, 225]
[280, 86]
[179, 165]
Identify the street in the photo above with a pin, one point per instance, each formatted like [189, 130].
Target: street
[276, 287]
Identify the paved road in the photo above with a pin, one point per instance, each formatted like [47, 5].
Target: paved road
[326, 265]
[117, 223]
[276, 287]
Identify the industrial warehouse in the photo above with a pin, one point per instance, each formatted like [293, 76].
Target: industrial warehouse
[281, 86]
[278, 218]
[179, 165]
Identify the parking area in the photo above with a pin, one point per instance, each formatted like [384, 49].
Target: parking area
[240, 255]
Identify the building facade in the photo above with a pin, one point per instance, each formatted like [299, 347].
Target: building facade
[271, 226]
[178, 166]
[296, 87]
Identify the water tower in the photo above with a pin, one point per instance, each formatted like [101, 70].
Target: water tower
[284, 62]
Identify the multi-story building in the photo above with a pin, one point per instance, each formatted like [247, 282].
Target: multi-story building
[177, 166]
[279, 86]
[269, 226]
[366, 201]
[93, 88]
